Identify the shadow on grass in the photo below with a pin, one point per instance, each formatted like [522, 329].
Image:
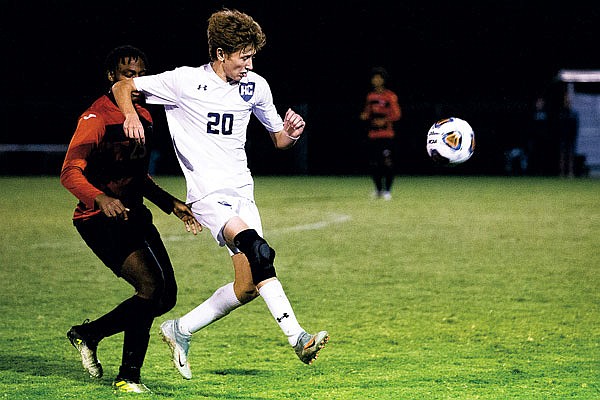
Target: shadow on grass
[35, 366]
[241, 372]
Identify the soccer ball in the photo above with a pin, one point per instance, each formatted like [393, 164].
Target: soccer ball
[450, 141]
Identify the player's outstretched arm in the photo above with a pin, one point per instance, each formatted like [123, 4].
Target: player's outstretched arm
[293, 126]
[132, 126]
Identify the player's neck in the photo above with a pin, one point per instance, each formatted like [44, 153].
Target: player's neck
[217, 66]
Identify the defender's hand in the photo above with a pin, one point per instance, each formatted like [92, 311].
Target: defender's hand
[111, 207]
[184, 213]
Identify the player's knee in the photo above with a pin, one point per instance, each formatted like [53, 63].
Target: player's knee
[148, 289]
[165, 303]
[154, 290]
[259, 254]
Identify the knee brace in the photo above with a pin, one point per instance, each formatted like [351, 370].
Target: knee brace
[259, 254]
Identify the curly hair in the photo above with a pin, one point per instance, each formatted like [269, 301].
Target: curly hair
[119, 55]
[232, 31]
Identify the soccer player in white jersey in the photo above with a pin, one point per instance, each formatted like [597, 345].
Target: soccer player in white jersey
[208, 109]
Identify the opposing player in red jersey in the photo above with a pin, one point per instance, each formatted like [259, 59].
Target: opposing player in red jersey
[381, 110]
[108, 173]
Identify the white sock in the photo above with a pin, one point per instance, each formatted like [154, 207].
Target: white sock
[281, 309]
[221, 303]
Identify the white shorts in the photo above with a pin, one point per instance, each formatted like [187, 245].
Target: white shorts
[213, 212]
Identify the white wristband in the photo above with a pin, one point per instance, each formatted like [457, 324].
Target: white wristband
[293, 138]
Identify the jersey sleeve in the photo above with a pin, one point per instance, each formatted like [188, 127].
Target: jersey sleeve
[90, 128]
[160, 88]
[265, 109]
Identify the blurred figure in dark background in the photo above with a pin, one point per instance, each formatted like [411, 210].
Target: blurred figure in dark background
[381, 111]
[537, 136]
[567, 125]
[563, 123]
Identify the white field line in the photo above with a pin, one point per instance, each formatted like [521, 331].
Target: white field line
[330, 219]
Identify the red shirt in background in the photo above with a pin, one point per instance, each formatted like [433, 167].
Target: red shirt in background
[382, 110]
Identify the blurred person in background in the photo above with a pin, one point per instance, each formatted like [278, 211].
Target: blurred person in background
[568, 125]
[563, 124]
[381, 110]
[536, 150]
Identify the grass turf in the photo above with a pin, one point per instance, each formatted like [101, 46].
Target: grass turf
[458, 288]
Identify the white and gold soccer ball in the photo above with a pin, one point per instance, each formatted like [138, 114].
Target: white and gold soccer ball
[450, 141]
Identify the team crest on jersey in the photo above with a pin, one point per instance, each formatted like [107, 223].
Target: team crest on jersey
[246, 90]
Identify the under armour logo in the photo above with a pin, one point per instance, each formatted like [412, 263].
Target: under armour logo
[202, 87]
[285, 315]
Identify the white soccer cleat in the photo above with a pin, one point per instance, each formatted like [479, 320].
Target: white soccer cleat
[179, 345]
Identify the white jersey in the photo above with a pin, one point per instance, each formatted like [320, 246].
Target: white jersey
[208, 119]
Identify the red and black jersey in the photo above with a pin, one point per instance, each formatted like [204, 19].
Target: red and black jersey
[383, 110]
[101, 159]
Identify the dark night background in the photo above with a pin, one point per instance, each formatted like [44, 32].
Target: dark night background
[481, 61]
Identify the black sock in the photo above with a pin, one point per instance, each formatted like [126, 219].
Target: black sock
[136, 339]
[113, 322]
[129, 373]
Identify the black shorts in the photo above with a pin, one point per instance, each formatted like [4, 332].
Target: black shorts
[380, 149]
[114, 239]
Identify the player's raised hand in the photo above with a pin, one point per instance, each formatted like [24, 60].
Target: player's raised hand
[293, 124]
[183, 212]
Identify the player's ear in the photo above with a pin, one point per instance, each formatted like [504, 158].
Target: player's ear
[220, 54]
[110, 75]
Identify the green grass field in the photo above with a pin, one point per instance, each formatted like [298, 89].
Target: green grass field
[458, 288]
